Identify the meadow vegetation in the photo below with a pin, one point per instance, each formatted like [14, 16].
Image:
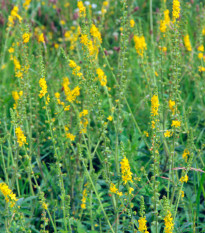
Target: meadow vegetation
[102, 116]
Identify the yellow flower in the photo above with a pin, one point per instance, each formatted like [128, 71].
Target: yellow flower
[200, 55]
[171, 105]
[11, 50]
[119, 194]
[62, 22]
[182, 194]
[176, 124]
[131, 190]
[187, 43]
[153, 124]
[21, 138]
[132, 23]
[184, 179]
[70, 136]
[109, 118]
[165, 22]
[10, 197]
[168, 221]
[67, 108]
[146, 134]
[163, 26]
[201, 69]
[201, 48]
[76, 68]
[41, 38]
[185, 154]
[84, 39]
[167, 134]
[26, 4]
[45, 206]
[47, 99]
[83, 200]
[83, 113]
[125, 170]
[113, 188]
[17, 64]
[154, 105]
[203, 31]
[101, 76]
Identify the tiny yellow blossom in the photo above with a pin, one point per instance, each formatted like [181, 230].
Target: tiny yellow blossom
[70, 136]
[109, 118]
[26, 37]
[184, 179]
[176, 123]
[131, 190]
[113, 188]
[167, 134]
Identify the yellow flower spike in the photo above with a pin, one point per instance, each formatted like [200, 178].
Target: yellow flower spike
[185, 154]
[95, 33]
[125, 170]
[154, 105]
[83, 200]
[140, 44]
[132, 23]
[82, 9]
[175, 10]
[21, 138]
[43, 85]
[142, 225]
[10, 197]
[101, 76]
[172, 105]
[41, 38]
[187, 43]
[168, 221]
